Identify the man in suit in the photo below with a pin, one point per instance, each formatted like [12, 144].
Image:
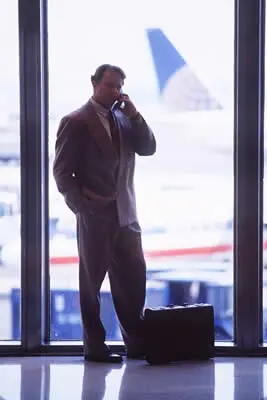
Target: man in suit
[94, 170]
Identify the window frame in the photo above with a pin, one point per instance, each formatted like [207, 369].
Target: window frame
[248, 184]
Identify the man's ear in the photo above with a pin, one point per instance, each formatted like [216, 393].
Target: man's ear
[93, 82]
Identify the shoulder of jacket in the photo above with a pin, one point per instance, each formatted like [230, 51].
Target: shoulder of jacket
[76, 117]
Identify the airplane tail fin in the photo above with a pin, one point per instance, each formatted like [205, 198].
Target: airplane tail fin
[179, 86]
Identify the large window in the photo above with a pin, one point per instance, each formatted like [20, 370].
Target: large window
[9, 174]
[195, 71]
[184, 89]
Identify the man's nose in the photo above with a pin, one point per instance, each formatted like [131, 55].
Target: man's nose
[116, 92]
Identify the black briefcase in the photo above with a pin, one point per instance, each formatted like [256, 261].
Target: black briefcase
[177, 333]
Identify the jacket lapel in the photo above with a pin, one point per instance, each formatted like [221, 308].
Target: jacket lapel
[97, 130]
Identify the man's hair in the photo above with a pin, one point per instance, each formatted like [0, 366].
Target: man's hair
[100, 71]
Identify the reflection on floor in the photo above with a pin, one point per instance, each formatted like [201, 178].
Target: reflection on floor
[56, 378]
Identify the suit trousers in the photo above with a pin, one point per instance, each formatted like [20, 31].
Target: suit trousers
[105, 247]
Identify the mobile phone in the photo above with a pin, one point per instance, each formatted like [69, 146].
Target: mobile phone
[119, 104]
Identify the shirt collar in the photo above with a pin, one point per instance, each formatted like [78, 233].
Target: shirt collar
[98, 108]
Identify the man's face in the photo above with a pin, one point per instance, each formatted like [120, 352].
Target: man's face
[109, 89]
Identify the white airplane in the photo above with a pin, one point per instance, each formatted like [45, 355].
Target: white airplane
[189, 107]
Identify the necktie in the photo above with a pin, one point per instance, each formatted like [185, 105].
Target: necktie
[114, 132]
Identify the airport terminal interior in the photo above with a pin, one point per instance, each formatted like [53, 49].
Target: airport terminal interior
[195, 72]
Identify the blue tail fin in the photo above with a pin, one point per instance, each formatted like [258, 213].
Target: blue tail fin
[177, 83]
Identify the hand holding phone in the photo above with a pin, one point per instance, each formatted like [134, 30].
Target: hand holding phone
[125, 105]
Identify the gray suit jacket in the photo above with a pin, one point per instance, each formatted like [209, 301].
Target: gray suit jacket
[89, 172]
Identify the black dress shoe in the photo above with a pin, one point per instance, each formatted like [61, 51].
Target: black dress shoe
[104, 358]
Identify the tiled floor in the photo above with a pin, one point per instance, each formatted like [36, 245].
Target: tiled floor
[56, 378]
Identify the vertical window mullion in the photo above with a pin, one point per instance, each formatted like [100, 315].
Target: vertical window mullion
[248, 167]
[31, 173]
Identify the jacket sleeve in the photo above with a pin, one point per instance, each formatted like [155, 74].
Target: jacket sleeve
[67, 152]
[143, 137]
